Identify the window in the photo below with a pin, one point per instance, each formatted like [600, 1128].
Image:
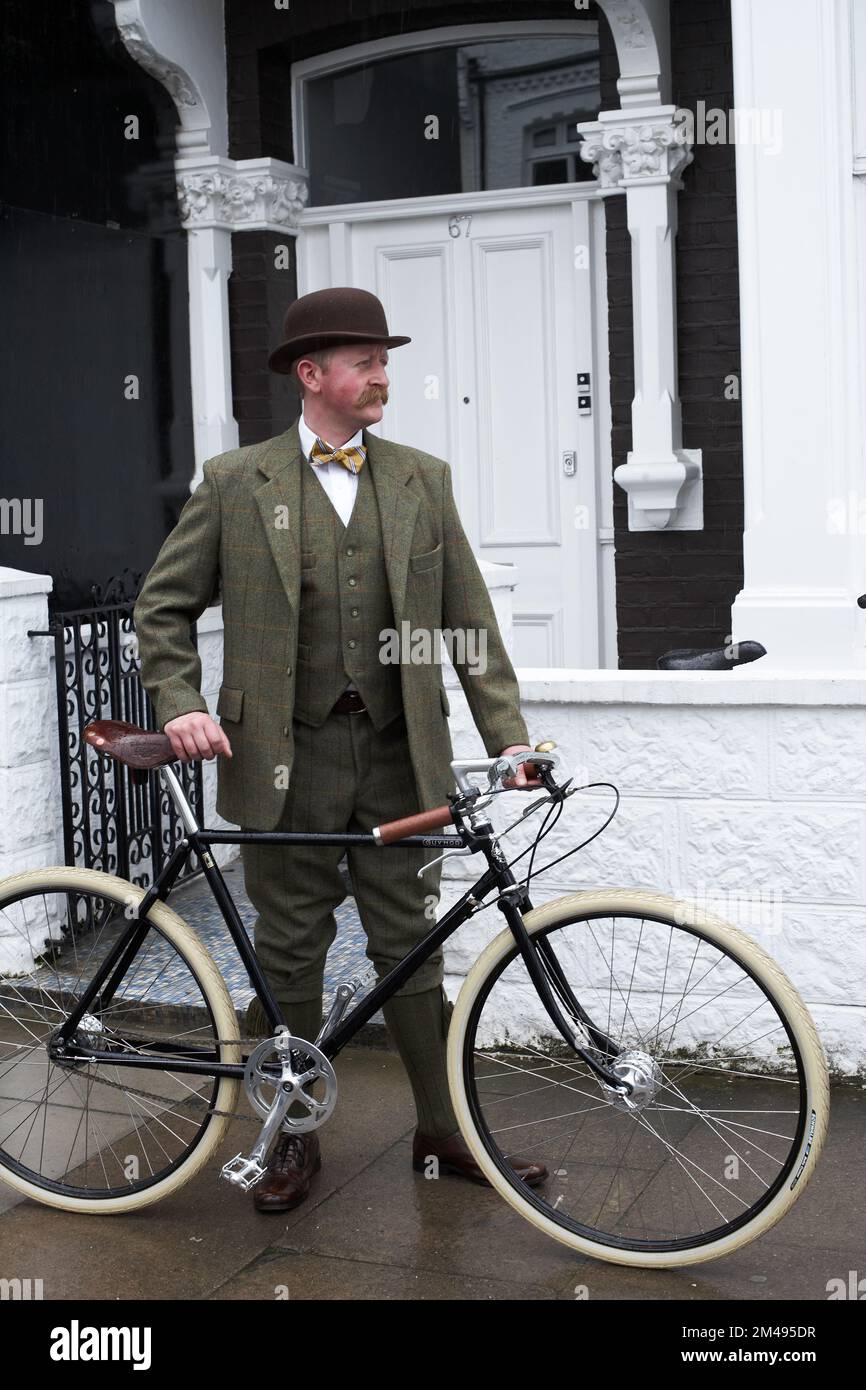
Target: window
[553, 155]
[495, 113]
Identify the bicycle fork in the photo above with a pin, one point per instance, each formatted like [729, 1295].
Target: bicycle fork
[546, 974]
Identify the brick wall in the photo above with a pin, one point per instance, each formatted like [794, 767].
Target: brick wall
[265, 403]
[676, 589]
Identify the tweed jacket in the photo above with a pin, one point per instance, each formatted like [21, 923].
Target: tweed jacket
[238, 534]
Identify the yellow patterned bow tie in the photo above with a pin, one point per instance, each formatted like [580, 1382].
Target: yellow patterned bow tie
[353, 458]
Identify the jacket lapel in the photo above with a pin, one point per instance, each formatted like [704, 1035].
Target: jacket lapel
[398, 508]
[279, 502]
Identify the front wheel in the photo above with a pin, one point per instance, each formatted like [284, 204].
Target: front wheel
[730, 1097]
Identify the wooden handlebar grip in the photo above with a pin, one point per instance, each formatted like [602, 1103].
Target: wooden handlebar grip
[413, 825]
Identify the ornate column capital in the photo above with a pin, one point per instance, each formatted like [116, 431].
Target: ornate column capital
[636, 146]
[240, 194]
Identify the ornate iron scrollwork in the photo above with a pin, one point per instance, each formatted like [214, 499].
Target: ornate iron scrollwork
[111, 822]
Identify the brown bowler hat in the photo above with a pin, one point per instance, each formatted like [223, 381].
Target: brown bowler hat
[327, 318]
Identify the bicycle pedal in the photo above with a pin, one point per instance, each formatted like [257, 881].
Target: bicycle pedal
[242, 1172]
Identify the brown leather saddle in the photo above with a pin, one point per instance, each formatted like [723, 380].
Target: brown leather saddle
[139, 748]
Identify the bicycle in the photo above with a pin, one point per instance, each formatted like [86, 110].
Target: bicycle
[655, 1056]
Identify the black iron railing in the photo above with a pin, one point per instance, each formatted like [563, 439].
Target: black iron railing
[112, 819]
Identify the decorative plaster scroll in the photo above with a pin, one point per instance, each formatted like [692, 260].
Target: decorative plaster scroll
[641, 32]
[631, 27]
[240, 195]
[177, 83]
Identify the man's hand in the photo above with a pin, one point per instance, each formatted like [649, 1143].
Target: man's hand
[196, 735]
[520, 781]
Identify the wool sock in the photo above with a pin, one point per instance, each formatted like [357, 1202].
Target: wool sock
[418, 1024]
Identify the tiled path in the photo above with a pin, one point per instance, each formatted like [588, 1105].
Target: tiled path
[194, 902]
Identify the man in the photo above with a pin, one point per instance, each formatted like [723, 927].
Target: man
[324, 539]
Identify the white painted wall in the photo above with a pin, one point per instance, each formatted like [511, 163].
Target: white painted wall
[745, 784]
[31, 817]
[744, 791]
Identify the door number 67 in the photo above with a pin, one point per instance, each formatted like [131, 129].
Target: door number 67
[454, 223]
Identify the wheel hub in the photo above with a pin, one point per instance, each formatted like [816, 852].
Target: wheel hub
[643, 1074]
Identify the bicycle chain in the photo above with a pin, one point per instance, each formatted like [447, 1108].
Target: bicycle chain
[151, 1095]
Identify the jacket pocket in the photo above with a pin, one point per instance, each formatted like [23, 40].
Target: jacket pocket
[427, 560]
[444, 698]
[230, 703]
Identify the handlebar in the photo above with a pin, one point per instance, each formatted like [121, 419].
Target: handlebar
[412, 825]
[497, 769]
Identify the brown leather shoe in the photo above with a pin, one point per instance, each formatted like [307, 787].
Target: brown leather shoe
[293, 1161]
[454, 1157]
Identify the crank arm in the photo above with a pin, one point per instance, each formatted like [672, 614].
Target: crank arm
[271, 1127]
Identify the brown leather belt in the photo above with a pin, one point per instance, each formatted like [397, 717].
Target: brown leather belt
[350, 702]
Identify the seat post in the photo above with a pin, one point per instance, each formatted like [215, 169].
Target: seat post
[178, 796]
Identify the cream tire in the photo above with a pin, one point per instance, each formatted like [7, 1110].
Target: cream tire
[188, 944]
[724, 934]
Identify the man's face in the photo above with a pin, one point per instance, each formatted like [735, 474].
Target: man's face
[355, 387]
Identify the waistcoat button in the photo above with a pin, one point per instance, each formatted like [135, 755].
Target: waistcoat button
[353, 581]
[352, 642]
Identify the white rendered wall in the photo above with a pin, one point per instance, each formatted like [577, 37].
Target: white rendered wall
[743, 790]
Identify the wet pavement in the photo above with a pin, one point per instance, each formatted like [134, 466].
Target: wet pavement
[372, 1228]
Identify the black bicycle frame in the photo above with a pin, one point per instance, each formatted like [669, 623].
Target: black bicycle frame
[541, 963]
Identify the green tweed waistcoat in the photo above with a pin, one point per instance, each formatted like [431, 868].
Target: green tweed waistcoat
[345, 603]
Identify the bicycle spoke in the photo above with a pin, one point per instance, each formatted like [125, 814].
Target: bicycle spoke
[95, 1127]
[706, 1135]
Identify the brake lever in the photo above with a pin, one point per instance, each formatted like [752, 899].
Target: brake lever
[449, 854]
[507, 765]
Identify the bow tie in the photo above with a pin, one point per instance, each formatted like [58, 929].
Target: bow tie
[352, 458]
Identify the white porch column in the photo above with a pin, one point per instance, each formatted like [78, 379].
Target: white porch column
[218, 196]
[805, 559]
[643, 149]
[183, 46]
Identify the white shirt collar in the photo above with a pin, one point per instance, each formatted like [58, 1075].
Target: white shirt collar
[308, 438]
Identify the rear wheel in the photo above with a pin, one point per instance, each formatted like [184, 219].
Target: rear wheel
[731, 1096]
[105, 1137]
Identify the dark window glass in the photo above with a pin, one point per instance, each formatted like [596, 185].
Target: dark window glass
[451, 120]
[550, 171]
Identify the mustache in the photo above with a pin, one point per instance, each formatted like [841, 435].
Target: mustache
[369, 397]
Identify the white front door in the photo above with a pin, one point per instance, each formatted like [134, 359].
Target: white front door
[498, 302]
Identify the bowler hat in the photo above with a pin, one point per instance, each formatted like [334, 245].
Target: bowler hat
[326, 318]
